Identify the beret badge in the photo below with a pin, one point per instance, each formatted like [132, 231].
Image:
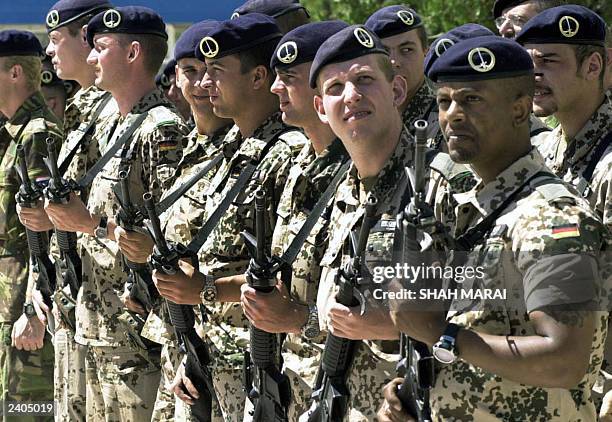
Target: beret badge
[481, 59]
[111, 18]
[569, 26]
[406, 16]
[363, 37]
[209, 47]
[46, 76]
[53, 18]
[288, 52]
[442, 45]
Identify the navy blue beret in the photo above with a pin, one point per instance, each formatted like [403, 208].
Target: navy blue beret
[349, 43]
[300, 45]
[274, 8]
[48, 76]
[14, 42]
[500, 5]
[163, 80]
[481, 58]
[235, 35]
[393, 20]
[126, 20]
[190, 39]
[569, 24]
[66, 11]
[445, 41]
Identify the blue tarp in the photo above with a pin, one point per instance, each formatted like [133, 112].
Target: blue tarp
[173, 11]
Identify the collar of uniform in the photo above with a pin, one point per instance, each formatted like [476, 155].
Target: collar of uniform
[334, 153]
[418, 105]
[383, 187]
[487, 197]
[589, 136]
[252, 146]
[34, 102]
[150, 100]
[205, 145]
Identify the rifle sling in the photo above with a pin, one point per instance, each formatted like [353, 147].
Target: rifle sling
[94, 117]
[95, 169]
[181, 190]
[298, 241]
[597, 154]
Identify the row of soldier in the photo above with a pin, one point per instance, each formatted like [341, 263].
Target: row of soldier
[302, 177]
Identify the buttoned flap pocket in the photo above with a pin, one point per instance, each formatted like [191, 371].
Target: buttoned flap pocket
[489, 271]
[379, 248]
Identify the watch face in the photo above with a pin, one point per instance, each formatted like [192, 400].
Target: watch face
[100, 233]
[443, 355]
[209, 294]
[311, 332]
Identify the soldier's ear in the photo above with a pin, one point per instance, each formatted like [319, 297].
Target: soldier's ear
[521, 110]
[84, 36]
[593, 66]
[318, 105]
[400, 90]
[260, 78]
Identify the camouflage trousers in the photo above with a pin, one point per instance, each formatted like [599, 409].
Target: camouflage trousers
[164, 402]
[70, 391]
[121, 384]
[26, 376]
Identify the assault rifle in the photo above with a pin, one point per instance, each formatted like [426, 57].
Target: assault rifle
[271, 394]
[58, 191]
[29, 196]
[331, 394]
[166, 258]
[140, 284]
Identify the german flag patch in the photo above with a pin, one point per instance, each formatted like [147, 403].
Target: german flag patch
[565, 230]
[167, 145]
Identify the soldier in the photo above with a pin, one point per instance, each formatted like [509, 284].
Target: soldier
[53, 89]
[238, 79]
[26, 370]
[85, 116]
[535, 355]
[359, 97]
[567, 45]
[511, 15]
[403, 34]
[288, 14]
[166, 81]
[317, 165]
[204, 143]
[122, 372]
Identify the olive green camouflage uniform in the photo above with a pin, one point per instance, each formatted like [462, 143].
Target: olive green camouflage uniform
[69, 374]
[122, 378]
[307, 181]
[569, 159]
[518, 257]
[26, 376]
[423, 105]
[224, 252]
[375, 361]
[178, 222]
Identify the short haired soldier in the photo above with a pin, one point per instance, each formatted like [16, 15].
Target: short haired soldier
[129, 44]
[531, 235]
[55, 91]
[402, 32]
[85, 116]
[166, 81]
[511, 15]
[288, 14]
[27, 363]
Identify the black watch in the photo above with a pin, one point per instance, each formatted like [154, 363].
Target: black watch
[444, 350]
[101, 232]
[28, 310]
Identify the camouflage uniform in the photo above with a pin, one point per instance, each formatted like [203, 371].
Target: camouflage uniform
[177, 224]
[423, 105]
[25, 375]
[307, 181]
[522, 238]
[375, 361]
[224, 253]
[569, 159]
[122, 378]
[69, 374]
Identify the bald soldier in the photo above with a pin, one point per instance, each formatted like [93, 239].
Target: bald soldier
[534, 356]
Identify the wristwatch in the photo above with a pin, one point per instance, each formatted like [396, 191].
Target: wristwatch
[208, 294]
[311, 329]
[28, 310]
[101, 232]
[444, 350]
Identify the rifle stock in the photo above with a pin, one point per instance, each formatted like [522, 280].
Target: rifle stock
[29, 196]
[166, 258]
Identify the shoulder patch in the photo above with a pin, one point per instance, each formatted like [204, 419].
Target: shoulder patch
[447, 168]
[553, 190]
[163, 116]
[565, 230]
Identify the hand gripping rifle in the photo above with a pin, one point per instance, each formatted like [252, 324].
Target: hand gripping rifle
[140, 284]
[28, 197]
[331, 394]
[166, 258]
[417, 363]
[271, 394]
[58, 192]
